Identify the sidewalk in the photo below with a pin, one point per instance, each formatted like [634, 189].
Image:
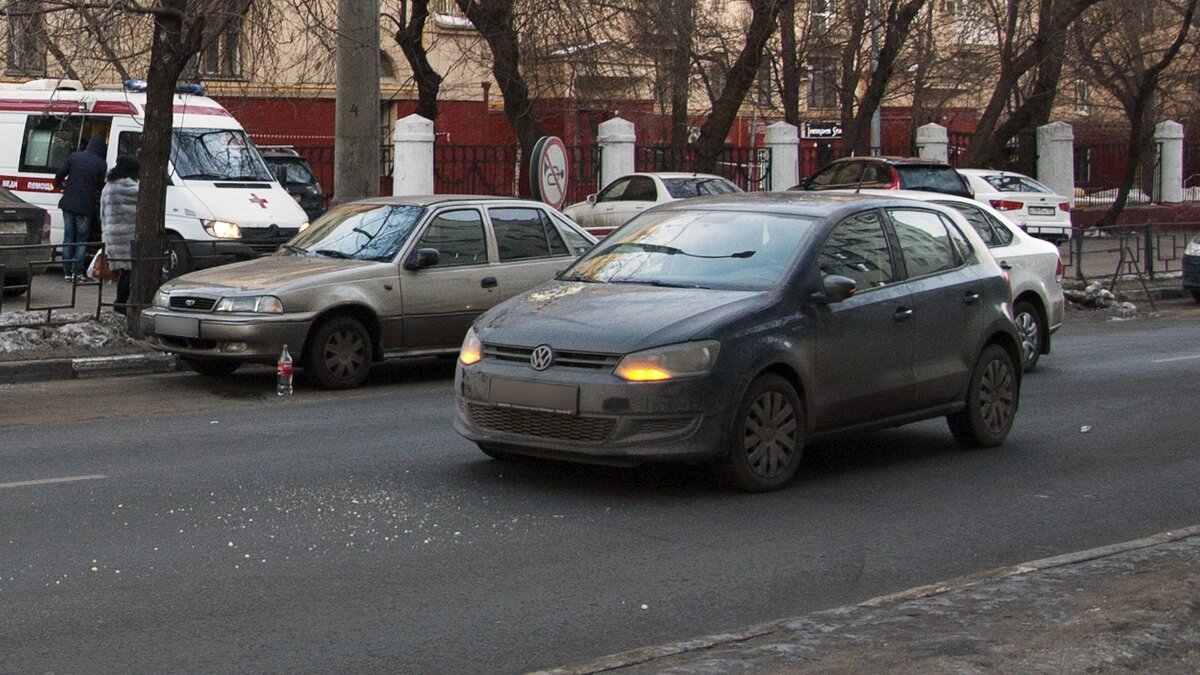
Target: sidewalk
[1132, 607]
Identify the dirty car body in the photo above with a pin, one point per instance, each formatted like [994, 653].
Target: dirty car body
[731, 329]
[371, 280]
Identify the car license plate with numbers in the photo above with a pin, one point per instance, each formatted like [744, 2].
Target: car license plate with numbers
[559, 398]
[177, 326]
[1042, 210]
[12, 227]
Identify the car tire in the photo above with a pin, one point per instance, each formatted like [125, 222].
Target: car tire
[15, 286]
[991, 404]
[177, 259]
[1032, 331]
[339, 354]
[212, 367]
[766, 442]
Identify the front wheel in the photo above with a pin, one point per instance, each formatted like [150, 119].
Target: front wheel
[1032, 331]
[339, 354]
[991, 403]
[767, 438]
[177, 259]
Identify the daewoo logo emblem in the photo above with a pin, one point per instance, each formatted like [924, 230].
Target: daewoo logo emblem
[542, 357]
[189, 302]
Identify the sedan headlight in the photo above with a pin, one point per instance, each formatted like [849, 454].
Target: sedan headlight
[304, 226]
[1193, 248]
[222, 229]
[472, 349]
[264, 304]
[162, 298]
[687, 359]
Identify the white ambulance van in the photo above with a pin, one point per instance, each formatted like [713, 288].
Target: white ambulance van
[222, 204]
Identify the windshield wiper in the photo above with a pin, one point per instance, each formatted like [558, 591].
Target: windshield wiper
[574, 277]
[657, 282]
[294, 249]
[245, 177]
[671, 250]
[202, 176]
[331, 253]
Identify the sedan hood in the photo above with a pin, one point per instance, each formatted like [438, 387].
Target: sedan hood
[279, 273]
[612, 318]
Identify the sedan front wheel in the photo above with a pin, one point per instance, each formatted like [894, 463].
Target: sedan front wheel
[991, 404]
[768, 437]
[339, 354]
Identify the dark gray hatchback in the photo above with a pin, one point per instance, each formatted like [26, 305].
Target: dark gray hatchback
[733, 329]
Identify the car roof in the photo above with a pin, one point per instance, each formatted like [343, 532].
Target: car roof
[992, 172]
[678, 174]
[888, 159]
[435, 200]
[821, 204]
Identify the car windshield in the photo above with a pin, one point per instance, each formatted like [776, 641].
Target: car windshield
[697, 249]
[216, 154]
[683, 188]
[1004, 182]
[935, 178]
[292, 170]
[359, 232]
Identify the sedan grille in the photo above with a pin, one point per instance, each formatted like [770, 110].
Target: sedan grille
[192, 303]
[540, 424]
[586, 360]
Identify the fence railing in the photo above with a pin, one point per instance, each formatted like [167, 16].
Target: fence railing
[1150, 249]
[748, 168]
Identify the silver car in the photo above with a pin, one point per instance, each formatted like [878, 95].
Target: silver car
[370, 280]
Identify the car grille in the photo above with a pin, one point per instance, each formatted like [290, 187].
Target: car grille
[542, 424]
[197, 304]
[586, 360]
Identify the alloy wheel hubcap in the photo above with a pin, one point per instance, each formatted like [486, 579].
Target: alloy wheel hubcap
[997, 392]
[1027, 327]
[344, 354]
[769, 435]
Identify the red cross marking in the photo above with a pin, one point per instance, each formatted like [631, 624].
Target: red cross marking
[255, 199]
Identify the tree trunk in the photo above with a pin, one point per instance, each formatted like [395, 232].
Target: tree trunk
[790, 63]
[411, 39]
[681, 69]
[857, 134]
[850, 71]
[737, 85]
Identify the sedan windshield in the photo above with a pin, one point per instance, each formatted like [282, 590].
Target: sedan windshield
[216, 154]
[359, 232]
[701, 249]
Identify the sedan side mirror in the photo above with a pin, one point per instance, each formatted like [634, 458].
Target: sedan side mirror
[591, 199]
[835, 288]
[422, 258]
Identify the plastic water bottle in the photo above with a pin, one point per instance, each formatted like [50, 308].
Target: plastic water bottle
[283, 372]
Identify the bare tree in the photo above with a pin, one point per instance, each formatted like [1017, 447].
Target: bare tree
[410, 36]
[1127, 48]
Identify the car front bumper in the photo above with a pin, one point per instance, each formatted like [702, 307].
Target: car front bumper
[241, 337]
[614, 421]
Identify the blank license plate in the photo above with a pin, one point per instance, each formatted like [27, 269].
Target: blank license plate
[1042, 210]
[560, 398]
[179, 326]
[12, 227]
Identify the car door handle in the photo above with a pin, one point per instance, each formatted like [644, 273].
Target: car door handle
[902, 314]
[971, 297]
[489, 282]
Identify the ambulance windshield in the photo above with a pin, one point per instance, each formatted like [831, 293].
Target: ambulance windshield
[217, 154]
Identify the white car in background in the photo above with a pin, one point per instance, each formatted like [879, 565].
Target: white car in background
[629, 195]
[1034, 267]
[1034, 207]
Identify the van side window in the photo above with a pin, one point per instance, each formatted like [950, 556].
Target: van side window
[48, 142]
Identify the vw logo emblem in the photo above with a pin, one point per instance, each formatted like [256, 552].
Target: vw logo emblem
[189, 302]
[542, 357]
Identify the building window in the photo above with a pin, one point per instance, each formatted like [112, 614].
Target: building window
[444, 7]
[822, 82]
[25, 54]
[1083, 98]
[222, 58]
[820, 15]
[951, 7]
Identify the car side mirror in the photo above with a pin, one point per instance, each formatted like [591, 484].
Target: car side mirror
[591, 199]
[422, 258]
[834, 289]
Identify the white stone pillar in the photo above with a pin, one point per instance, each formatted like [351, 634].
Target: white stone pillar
[1056, 158]
[784, 141]
[933, 142]
[1169, 137]
[616, 138]
[412, 173]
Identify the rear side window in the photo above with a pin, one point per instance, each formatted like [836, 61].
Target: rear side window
[641, 189]
[925, 241]
[858, 248]
[1006, 183]
[578, 243]
[525, 233]
[993, 233]
[935, 178]
[48, 142]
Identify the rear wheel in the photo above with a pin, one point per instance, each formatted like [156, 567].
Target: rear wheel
[991, 403]
[212, 367]
[767, 438]
[339, 354]
[1032, 330]
[15, 286]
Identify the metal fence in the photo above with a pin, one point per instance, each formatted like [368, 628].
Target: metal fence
[748, 168]
[1150, 250]
[1099, 170]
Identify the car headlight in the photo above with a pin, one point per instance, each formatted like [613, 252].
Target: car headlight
[686, 359]
[472, 349]
[222, 229]
[1193, 248]
[264, 304]
[304, 226]
[162, 298]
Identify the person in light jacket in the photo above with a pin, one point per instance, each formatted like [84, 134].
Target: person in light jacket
[118, 211]
[83, 174]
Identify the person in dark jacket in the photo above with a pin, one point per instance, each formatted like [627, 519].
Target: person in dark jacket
[118, 212]
[84, 175]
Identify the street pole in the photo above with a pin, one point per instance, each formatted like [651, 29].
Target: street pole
[356, 156]
[876, 126]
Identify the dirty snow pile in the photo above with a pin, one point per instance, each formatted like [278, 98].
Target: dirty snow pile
[1096, 296]
[26, 330]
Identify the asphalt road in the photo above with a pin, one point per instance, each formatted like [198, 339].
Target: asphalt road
[215, 527]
